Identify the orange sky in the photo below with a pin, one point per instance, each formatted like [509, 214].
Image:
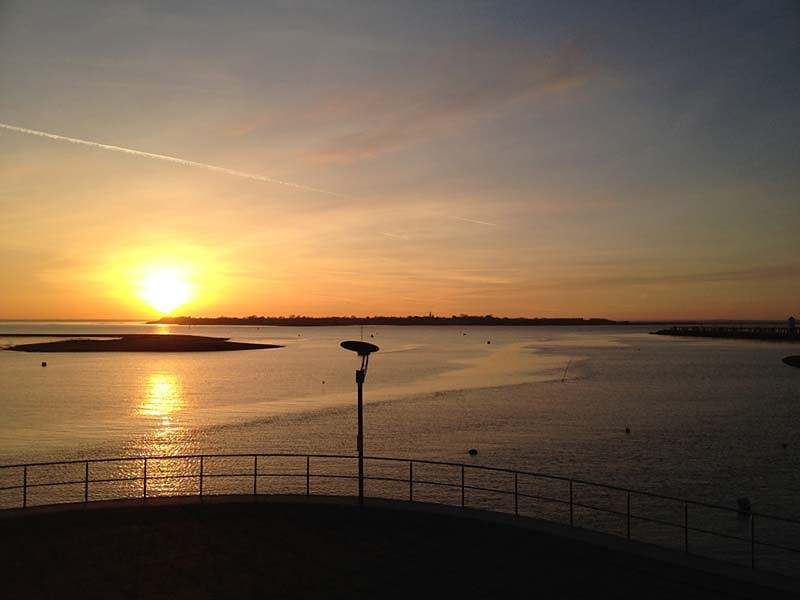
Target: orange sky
[447, 161]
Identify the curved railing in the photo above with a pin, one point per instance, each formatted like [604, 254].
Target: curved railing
[747, 538]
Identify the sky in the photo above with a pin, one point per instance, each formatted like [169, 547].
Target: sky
[628, 160]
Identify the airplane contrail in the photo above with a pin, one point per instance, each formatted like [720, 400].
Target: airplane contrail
[394, 235]
[198, 165]
[474, 221]
[166, 158]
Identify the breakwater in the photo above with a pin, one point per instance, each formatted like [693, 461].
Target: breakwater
[782, 334]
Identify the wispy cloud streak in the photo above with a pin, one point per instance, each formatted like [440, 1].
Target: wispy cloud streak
[468, 83]
[166, 158]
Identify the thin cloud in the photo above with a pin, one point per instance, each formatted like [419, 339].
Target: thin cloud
[771, 273]
[471, 82]
[754, 274]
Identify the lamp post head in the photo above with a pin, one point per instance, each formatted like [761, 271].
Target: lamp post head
[363, 349]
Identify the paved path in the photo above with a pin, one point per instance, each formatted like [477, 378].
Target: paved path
[293, 547]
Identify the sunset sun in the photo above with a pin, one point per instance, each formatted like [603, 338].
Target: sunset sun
[166, 288]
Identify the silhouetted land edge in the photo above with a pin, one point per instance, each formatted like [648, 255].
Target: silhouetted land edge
[462, 320]
[138, 342]
[792, 361]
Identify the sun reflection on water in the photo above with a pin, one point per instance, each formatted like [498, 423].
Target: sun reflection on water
[161, 403]
[163, 397]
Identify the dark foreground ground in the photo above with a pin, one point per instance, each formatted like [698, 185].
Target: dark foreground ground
[294, 550]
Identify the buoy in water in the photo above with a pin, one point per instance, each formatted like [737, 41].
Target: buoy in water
[44, 364]
[488, 341]
[628, 430]
[472, 452]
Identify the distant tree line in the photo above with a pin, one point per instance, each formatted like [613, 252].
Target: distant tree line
[463, 320]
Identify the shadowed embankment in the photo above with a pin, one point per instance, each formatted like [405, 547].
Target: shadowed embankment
[294, 547]
[136, 342]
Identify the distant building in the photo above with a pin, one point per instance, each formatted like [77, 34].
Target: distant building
[792, 326]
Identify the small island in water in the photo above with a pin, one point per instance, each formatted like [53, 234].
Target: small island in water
[133, 342]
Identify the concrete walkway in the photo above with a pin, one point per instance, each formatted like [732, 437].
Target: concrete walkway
[325, 547]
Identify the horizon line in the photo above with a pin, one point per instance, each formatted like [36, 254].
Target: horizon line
[154, 319]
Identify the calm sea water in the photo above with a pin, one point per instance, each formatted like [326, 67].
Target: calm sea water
[711, 420]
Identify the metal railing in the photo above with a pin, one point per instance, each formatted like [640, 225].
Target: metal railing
[706, 529]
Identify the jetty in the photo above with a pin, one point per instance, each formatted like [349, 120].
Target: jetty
[776, 334]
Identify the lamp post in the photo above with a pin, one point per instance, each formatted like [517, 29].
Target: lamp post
[363, 349]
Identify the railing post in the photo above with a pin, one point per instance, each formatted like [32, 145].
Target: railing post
[516, 496]
[86, 482]
[202, 468]
[462, 486]
[144, 480]
[411, 481]
[571, 509]
[308, 475]
[629, 516]
[255, 474]
[25, 486]
[686, 527]
[752, 541]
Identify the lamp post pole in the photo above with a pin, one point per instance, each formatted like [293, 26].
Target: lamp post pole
[363, 349]
[361, 375]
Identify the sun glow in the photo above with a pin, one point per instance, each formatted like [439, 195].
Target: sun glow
[162, 278]
[166, 288]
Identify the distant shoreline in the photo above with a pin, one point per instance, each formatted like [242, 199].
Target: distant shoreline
[459, 320]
